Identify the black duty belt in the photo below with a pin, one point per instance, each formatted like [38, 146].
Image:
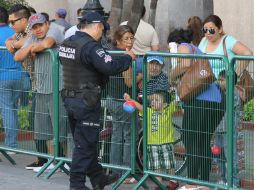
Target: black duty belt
[79, 93]
[72, 93]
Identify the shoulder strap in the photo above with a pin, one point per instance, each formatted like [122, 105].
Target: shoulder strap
[193, 49]
[194, 52]
[224, 47]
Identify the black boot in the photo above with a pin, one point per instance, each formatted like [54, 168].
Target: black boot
[106, 180]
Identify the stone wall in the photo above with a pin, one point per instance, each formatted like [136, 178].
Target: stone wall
[237, 18]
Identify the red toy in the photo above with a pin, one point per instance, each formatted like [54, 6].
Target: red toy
[216, 150]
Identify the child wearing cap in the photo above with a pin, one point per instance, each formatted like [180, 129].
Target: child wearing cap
[160, 132]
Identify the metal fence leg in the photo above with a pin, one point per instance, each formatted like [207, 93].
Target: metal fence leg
[120, 181]
[8, 157]
[44, 167]
[58, 165]
[157, 182]
[140, 183]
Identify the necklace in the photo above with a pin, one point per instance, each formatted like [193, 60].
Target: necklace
[23, 34]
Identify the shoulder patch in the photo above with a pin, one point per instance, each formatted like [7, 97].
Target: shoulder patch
[107, 58]
[100, 52]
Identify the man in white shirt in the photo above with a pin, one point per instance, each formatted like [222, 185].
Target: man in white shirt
[72, 30]
[146, 38]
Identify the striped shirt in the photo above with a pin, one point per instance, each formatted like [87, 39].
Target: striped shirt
[158, 83]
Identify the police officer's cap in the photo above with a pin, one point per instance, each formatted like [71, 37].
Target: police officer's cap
[94, 17]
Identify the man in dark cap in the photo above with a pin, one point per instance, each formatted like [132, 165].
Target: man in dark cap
[86, 66]
[60, 18]
[44, 36]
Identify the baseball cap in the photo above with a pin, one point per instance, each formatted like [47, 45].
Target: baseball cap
[94, 17]
[61, 12]
[37, 18]
[155, 58]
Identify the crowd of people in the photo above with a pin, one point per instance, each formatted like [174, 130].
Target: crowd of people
[87, 69]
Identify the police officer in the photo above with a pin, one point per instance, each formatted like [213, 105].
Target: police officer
[86, 67]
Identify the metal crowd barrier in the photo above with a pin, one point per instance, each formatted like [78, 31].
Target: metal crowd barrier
[27, 146]
[243, 134]
[180, 170]
[25, 112]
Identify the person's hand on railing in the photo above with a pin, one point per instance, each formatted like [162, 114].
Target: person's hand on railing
[33, 50]
[130, 53]
[10, 47]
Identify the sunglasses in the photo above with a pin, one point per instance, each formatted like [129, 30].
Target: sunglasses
[210, 30]
[12, 22]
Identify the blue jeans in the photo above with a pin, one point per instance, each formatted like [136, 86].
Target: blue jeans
[9, 94]
[121, 135]
[26, 86]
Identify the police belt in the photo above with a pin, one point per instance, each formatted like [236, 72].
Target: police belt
[79, 93]
[72, 93]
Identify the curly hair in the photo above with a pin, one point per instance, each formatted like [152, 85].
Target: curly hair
[181, 36]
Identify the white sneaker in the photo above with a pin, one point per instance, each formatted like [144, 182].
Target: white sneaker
[50, 167]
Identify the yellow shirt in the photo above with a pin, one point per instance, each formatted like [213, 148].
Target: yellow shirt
[160, 128]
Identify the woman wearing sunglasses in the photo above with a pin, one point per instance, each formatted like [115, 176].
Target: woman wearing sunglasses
[201, 115]
[212, 43]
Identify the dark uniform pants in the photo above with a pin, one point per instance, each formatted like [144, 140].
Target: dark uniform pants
[85, 131]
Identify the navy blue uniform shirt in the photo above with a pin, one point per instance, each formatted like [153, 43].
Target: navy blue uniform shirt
[95, 56]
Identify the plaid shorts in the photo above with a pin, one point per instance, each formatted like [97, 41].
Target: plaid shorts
[160, 156]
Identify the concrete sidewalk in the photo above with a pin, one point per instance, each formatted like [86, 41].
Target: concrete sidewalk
[16, 177]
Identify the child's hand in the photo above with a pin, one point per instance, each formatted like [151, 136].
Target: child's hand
[126, 96]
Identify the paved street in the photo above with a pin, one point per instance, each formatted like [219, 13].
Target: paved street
[16, 177]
